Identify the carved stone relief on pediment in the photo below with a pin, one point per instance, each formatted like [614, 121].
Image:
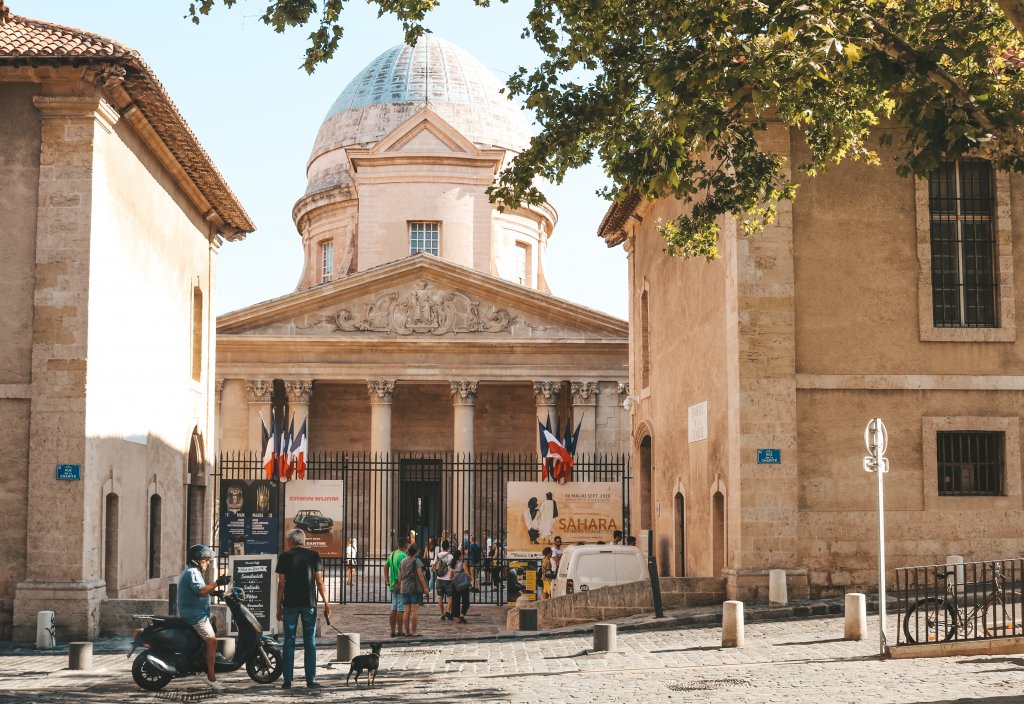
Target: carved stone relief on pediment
[423, 309]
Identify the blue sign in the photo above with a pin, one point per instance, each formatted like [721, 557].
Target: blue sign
[769, 456]
[69, 471]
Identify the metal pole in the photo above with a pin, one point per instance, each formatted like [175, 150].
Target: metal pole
[881, 562]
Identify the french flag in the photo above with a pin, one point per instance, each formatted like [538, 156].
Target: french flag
[561, 456]
[270, 447]
[300, 445]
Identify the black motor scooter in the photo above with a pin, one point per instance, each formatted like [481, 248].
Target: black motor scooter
[174, 649]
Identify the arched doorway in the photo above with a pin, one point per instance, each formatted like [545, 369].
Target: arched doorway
[718, 534]
[110, 541]
[195, 493]
[680, 516]
[646, 489]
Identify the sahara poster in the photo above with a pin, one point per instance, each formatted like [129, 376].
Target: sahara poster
[579, 512]
[316, 507]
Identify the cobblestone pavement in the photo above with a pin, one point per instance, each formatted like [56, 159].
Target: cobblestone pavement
[784, 661]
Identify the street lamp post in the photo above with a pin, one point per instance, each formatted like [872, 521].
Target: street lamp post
[877, 440]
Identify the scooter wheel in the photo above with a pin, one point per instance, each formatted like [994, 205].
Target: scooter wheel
[147, 676]
[265, 672]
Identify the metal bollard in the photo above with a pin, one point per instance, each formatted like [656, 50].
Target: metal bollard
[348, 646]
[604, 637]
[958, 572]
[80, 656]
[527, 619]
[46, 630]
[732, 624]
[226, 646]
[777, 592]
[856, 622]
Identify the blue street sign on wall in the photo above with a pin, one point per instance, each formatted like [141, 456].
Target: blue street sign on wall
[69, 471]
[769, 456]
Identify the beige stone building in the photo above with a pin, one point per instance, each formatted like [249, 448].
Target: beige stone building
[111, 215]
[871, 295]
[422, 321]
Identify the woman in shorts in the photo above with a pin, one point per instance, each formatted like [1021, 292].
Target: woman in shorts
[413, 586]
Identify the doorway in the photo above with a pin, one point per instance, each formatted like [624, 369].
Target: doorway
[718, 534]
[420, 499]
[646, 493]
[680, 536]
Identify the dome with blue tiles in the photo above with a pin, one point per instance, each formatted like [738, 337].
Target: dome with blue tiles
[400, 82]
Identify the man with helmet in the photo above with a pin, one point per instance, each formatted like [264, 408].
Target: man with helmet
[194, 603]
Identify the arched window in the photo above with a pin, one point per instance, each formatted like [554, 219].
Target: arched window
[154, 536]
[110, 539]
[645, 342]
[195, 492]
[197, 333]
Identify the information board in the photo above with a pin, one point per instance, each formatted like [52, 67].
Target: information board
[255, 575]
[249, 517]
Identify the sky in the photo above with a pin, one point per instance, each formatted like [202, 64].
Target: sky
[242, 90]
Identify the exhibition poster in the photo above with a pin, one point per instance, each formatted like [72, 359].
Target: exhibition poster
[578, 512]
[316, 507]
[248, 517]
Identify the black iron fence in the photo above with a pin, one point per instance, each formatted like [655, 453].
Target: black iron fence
[958, 602]
[433, 494]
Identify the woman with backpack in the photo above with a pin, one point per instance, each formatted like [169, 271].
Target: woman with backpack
[414, 587]
[441, 567]
[461, 583]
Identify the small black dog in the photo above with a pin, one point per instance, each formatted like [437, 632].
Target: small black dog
[366, 662]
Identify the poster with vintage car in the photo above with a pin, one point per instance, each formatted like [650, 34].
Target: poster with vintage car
[578, 512]
[249, 515]
[315, 506]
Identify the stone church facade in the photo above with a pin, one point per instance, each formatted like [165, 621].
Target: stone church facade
[871, 295]
[422, 321]
[111, 214]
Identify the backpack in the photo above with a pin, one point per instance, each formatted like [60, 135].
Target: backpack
[439, 566]
[461, 581]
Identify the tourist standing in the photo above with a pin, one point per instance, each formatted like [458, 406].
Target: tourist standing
[441, 567]
[390, 578]
[350, 561]
[461, 583]
[547, 572]
[414, 587]
[474, 556]
[300, 575]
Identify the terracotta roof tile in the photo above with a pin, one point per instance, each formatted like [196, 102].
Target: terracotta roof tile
[611, 227]
[24, 40]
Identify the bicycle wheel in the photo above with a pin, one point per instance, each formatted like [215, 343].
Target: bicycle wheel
[930, 620]
[1003, 615]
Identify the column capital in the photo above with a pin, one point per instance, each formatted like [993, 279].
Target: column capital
[259, 390]
[77, 107]
[623, 390]
[218, 389]
[546, 392]
[382, 391]
[298, 390]
[584, 393]
[464, 392]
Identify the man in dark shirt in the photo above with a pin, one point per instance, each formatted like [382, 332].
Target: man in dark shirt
[300, 577]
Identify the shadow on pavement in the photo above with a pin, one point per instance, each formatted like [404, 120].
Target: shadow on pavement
[812, 642]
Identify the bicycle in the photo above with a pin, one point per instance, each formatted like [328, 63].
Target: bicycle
[942, 617]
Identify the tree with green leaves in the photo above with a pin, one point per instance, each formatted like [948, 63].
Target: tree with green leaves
[672, 95]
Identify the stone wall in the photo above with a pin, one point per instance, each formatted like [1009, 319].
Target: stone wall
[622, 600]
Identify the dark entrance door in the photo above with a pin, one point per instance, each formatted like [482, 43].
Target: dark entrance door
[420, 499]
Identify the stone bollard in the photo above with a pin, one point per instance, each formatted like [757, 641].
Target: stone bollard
[856, 623]
[528, 619]
[732, 624]
[348, 646]
[958, 571]
[604, 637]
[80, 656]
[777, 593]
[46, 629]
[226, 646]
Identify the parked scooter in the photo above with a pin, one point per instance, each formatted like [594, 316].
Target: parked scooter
[174, 649]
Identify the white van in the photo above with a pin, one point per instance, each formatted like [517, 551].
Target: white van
[586, 567]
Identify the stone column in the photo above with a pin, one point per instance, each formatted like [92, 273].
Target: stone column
[463, 400]
[218, 418]
[546, 393]
[299, 392]
[381, 489]
[65, 571]
[260, 391]
[584, 413]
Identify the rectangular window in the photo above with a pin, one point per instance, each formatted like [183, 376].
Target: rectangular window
[423, 237]
[522, 264]
[961, 209]
[327, 261]
[971, 463]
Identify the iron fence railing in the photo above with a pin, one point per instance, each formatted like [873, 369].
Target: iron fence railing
[960, 601]
[435, 494]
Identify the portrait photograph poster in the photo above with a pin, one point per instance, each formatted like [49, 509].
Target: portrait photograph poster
[248, 517]
[316, 507]
[579, 512]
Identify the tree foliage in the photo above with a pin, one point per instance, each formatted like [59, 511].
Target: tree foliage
[674, 96]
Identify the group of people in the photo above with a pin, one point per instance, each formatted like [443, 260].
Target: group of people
[450, 568]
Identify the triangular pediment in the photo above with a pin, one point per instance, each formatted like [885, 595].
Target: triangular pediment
[423, 297]
[424, 141]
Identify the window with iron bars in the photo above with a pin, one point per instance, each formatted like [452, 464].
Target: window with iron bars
[971, 462]
[423, 237]
[961, 208]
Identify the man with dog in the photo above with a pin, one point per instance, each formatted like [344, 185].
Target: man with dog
[300, 575]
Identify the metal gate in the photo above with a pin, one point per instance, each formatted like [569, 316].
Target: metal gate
[433, 494]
